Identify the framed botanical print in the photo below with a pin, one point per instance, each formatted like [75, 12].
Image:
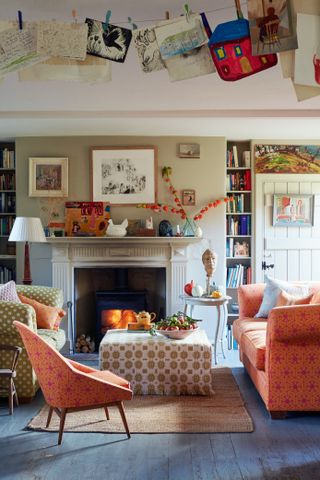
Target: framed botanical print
[48, 177]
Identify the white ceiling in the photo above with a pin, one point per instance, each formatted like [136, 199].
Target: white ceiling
[135, 103]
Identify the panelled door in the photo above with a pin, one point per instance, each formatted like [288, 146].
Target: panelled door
[287, 253]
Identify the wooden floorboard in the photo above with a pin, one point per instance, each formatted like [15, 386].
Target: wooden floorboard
[277, 450]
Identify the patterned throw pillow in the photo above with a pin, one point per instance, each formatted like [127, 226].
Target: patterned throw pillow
[316, 298]
[8, 292]
[285, 299]
[47, 317]
[272, 290]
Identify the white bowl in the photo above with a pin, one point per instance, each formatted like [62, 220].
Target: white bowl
[176, 334]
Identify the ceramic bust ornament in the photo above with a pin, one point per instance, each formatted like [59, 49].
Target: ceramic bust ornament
[209, 260]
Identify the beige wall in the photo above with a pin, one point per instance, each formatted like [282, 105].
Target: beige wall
[206, 175]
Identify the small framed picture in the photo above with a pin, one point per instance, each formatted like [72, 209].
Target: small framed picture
[188, 197]
[48, 177]
[293, 210]
[189, 150]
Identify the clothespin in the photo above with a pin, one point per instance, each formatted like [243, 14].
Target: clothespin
[187, 11]
[20, 19]
[74, 15]
[107, 20]
[133, 25]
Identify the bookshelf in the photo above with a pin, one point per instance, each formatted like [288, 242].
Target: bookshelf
[239, 242]
[7, 211]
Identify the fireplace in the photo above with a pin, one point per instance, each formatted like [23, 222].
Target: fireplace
[74, 257]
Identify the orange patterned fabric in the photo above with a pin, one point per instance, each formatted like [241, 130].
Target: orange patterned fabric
[247, 325]
[47, 317]
[250, 298]
[254, 346]
[291, 380]
[284, 299]
[67, 384]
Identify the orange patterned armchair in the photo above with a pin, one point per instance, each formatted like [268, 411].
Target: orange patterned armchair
[68, 386]
[281, 353]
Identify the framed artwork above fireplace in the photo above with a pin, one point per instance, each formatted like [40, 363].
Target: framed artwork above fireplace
[124, 175]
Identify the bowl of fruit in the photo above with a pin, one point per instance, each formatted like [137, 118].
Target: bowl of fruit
[177, 326]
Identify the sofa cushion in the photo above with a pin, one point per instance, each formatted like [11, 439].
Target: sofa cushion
[244, 325]
[285, 299]
[316, 298]
[272, 290]
[55, 338]
[47, 317]
[253, 344]
[8, 292]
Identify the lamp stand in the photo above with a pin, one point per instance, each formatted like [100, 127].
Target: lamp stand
[27, 280]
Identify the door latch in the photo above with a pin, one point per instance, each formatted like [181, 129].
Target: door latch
[266, 267]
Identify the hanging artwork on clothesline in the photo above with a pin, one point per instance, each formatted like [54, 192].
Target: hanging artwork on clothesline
[147, 49]
[271, 26]
[92, 69]
[18, 49]
[108, 41]
[307, 60]
[62, 39]
[194, 63]
[231, 50]
[180, 35]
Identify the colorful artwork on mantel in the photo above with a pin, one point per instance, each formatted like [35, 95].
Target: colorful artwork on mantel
[86, 219]
[287, 158]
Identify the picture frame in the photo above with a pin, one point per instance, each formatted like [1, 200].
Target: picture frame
[188, 197]
[292, 159]
[189, 150]
[48, 177]
[124, 175]
[293, 210]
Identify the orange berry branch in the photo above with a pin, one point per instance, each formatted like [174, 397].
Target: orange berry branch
[178, 208]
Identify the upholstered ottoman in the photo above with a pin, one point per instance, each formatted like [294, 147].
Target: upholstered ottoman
[157, 365]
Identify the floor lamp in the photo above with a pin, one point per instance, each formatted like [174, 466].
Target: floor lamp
[27, 229]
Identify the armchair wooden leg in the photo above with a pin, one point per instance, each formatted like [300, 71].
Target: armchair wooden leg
[123, 416]
[278, 414]
[11, 391]
[63, 414]
[15, 395]
[49, 417]
[107, 413]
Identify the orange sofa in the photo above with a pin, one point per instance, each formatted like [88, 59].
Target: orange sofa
[280, 353]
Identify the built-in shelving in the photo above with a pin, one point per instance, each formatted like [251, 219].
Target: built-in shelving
[7, 211]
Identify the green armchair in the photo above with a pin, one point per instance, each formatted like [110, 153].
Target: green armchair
[26, 382]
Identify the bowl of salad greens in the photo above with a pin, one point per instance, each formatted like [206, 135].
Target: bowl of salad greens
[176, 327]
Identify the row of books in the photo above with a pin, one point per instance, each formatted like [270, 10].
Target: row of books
[6, 224]
[7, 158]
[7, 181]
[237, 205]
[239, 180]
[238, 225]
[238, 275]
[7, 203]
[237, 248]
[233, 160]
[7, 274]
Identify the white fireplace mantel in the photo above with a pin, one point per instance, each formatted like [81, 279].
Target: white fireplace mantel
[172, 253]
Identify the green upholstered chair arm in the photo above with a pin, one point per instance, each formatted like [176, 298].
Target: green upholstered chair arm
[48, 295]
[10, 311]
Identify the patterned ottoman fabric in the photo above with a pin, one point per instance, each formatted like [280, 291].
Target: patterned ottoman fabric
[158, 365]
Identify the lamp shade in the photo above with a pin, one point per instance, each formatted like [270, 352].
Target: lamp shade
[27, 229]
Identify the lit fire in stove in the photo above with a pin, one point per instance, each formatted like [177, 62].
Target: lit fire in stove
[116, 319]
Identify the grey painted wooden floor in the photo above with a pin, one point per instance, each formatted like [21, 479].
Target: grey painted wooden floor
[277, 450]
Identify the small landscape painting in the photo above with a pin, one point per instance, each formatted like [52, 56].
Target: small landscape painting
[287, 158]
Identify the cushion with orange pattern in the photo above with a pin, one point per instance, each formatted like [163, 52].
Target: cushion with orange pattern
[47, 317]
[285, 299]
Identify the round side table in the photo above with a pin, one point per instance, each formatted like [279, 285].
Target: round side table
[221, 306]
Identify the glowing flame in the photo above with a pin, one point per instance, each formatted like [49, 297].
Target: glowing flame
[115, 318]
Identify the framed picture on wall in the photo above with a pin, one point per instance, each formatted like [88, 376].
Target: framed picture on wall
[124, 175]
[188, 197]
[189, 150]
[48, 177]
[293, 210]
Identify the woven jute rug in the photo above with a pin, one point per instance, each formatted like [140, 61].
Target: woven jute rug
[222, 412]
